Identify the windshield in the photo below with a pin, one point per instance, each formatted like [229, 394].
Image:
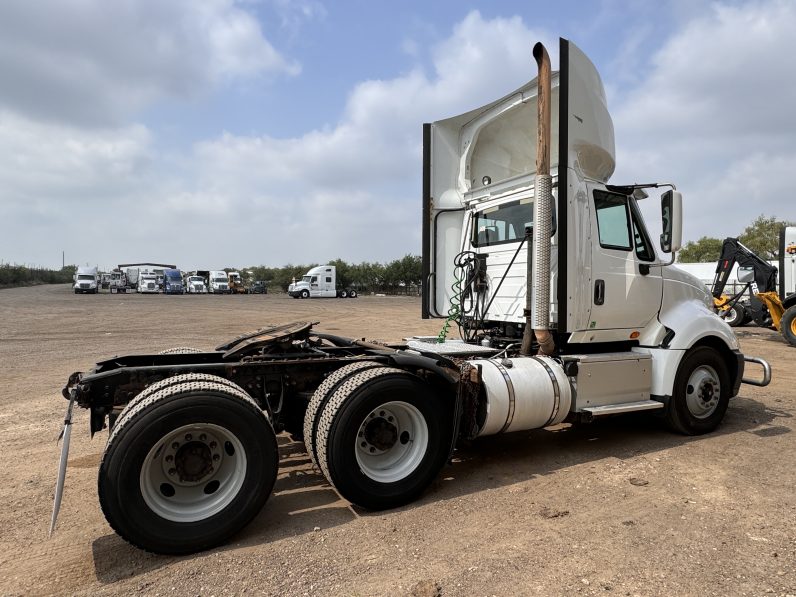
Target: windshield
[219, 279]
[306, 278]
[174, 276]
[196, 279]
[85, 277]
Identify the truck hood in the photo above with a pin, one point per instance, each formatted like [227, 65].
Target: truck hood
[685, 285]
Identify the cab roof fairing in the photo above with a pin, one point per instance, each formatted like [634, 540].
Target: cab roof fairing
[498, 139]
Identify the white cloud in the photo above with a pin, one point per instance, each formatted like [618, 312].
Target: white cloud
[90, 62]
[713, 113]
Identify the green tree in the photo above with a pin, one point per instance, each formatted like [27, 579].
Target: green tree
[705, 249]
[762, 236]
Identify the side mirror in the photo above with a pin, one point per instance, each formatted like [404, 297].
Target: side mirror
[671, 221]
[746, 275]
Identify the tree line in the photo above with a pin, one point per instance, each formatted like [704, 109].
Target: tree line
[761, 237]
[402, 276]
[22, 275]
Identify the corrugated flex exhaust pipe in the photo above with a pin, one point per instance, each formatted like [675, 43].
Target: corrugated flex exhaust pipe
[537, 321]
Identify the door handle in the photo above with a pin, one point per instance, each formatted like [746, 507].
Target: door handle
[599, 292]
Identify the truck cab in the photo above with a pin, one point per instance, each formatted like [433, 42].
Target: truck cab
[604, 293]
[86, 280]
[320, 282]
[172, 281]
[195, 285]
[148, 283]
[218, 283]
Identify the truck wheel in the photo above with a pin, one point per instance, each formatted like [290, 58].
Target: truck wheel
[181, 350]
[701, 392]
[321, 396]
[343, 294]
[787, 325]
[734, 316]
[382, 438]
[352, 294]
[305, 294]
[187, 468]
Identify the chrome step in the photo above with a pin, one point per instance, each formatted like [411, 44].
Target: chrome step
[627, 407]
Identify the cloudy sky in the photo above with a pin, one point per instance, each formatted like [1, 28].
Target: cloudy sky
[218, 133]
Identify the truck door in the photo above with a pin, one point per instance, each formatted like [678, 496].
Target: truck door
[626, 289]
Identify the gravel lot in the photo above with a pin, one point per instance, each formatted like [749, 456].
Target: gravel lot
[619, 507]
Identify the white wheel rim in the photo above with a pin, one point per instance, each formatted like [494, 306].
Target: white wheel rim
[193, 472]
[391, 442]
[703, 391]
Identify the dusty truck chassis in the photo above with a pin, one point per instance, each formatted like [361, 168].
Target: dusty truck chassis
[192, 455]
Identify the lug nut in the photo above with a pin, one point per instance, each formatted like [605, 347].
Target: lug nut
[172, 471]
[169, 458]
[188, 437]
[202, 437]
[213, 445]
[216, 457]
[175, 445]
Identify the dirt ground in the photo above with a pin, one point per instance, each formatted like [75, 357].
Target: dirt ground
[619, 507]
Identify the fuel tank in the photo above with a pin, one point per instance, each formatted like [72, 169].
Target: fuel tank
[522, 393]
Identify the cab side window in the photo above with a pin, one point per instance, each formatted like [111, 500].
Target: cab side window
[613, 220]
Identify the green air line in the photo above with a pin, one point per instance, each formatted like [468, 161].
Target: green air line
[455, 308]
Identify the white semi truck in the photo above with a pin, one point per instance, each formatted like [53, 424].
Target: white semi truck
[320, 282]
[195, 284]
[564, 309]
[217, 282]
[86, 280]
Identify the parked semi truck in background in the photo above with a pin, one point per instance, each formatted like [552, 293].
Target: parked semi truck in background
[218, 283]
[195, 284]
[86, 280]
[148, 283]
[547, 270]
[320, 282]
[172, 281]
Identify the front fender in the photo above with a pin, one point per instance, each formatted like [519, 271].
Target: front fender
[691, 320]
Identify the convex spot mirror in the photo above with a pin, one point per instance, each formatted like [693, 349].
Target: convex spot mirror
[671, 221]
[746, 275]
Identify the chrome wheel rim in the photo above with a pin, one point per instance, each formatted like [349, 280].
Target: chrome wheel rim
[193, 472]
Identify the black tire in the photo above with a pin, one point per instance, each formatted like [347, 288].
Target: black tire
[343, 294]
[701, 392]
[321, 396]
[181, 350]
[787, 325]
[172, 381]
[352, 294]
[734, 316]
[149, 515]
[305, 294]
[412, 460]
